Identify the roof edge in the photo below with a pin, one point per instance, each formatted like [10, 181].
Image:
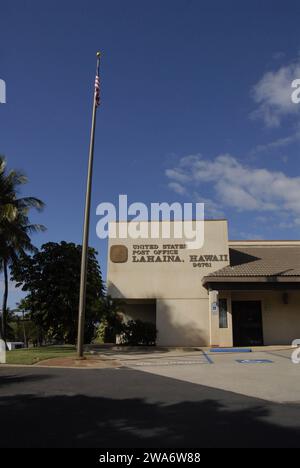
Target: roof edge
[263, 243]
[250, 279]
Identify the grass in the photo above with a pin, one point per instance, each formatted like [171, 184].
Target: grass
[34, 355]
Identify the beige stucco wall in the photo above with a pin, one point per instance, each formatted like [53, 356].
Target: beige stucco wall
[182, 322]
[183, 307]
[167, 280]
[225, 334]
[281, 322]
[182, 312]
[191, 322]
[138, 310]
[221, 336]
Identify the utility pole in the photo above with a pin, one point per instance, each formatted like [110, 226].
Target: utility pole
[86, 226]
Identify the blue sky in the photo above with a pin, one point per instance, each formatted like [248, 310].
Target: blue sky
[195, 106]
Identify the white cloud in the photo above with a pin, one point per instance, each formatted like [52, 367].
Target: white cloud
[239, 186]
[278, 143]
[211, 208]
[177, 175]
[250, 236]
[262, 219]
[177, 188]
[237, 197]
[273, 95]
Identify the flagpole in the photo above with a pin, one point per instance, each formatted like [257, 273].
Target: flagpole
[86, 226]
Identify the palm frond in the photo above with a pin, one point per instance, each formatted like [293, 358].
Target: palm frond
[2, 164]
[8, 211]
[16, 178]
[30, 202]
[35, 228]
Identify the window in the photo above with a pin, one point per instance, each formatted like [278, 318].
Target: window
[223, 320]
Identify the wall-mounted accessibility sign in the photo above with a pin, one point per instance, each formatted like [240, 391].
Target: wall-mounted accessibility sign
[215, 308]
[254, 361]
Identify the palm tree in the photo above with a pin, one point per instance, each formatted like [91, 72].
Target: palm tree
[15, 227]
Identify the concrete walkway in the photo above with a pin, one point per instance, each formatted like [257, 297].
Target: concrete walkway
[266, 373]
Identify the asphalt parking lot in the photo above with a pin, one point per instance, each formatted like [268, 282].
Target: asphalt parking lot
[132, 408]
[163, 403]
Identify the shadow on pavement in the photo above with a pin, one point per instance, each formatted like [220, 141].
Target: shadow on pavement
[85, 421]
[21, 378]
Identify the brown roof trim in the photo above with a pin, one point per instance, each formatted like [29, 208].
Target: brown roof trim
[263, 240]
[264, 243]
[250, 279]
[225, 286]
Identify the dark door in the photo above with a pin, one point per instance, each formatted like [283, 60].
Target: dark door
[247, 323]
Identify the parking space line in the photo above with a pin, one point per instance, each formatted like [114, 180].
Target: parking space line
[209, 359]
[172, 361]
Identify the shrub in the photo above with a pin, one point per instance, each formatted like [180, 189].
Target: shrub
[112, 321]
[135, 333]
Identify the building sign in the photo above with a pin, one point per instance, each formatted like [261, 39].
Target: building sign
[168, 253]
[206, 261]
[172, 253]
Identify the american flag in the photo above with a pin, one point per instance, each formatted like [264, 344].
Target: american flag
[97, 90]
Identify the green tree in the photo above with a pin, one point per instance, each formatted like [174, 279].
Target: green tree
[21, 328]
[15, 227]
[51, 277]
[10, 328]
[112, 320]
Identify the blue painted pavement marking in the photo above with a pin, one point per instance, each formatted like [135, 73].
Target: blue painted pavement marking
[209, 359]
[254, 361]
[230, 350]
